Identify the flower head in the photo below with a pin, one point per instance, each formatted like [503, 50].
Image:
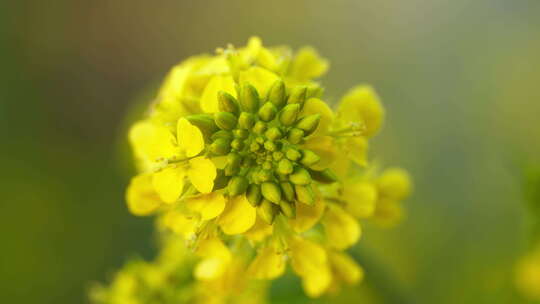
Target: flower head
[242, 157]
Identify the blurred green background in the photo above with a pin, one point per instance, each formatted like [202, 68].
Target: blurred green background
[460, 81]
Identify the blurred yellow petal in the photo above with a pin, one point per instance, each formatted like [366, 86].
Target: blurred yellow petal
[325, 147]
[316, 285]
[201, 173]
[209, 205]
[238, 216]
[394, 183]
[141, 197]
[309, 260]
[307, 216]
[190, 138]
[260, 78]
[259, 231]
[209, 98]
[317, 106]
[342, 230]
[361, 198]
[345, 268]
[209, 269]
[362, 105]
[169, 183]
[180, 224]
[267, 60]
[307, 65]
[268, 265]
[151, 141]
[388, 213]
[356, 149]
[251, 51]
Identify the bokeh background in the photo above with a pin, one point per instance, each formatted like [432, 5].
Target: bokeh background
[460, 80]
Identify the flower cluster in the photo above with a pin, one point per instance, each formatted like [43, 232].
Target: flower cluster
[241, 158]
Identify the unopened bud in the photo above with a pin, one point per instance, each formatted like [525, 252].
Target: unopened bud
[254, 195]
[277, 155]
[205, 123]
[227, 103]
[254, 147]
[268, 211]
[309, 158]
[225, 120]
[288, 190]
[270, 145]
[220, 181]
[249, 98]
[309, 123]
[221, 146]
[277, 94]
[292, 154]
[237, 185]
[264, 175]
[221, 134]
[288, 115]
[237, 144]
[273, 133]
[246, 120]
[325, 176]
[271, 192]
[288, 208]
[285, 166]
[298, 95]
[240, 133]
[295, 136]
[300, 176]
[259, 127]
[304, 194]
[267, 112]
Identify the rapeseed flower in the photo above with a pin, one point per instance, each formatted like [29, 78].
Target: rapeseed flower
[241, 157]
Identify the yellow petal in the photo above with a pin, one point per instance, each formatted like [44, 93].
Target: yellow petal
[309, 260]
[342, 230]
[209, 98]
[317, 106]
[201, 173]
[362, 105]
[307, 216]
[209, 269]
[308, 65]
[141, 197]
[151, 141]
[345, 268]
[361, 198]
[238, 216]
[269, 264]
[169, 183]
[252, 50]
[209, 205]
[325, 147]
[190, 138]
[262, 79]
[356, 149]
[394, 183]
[259, 231]
[180, 224]
[220, 161]
[316, 285]
[388, 212]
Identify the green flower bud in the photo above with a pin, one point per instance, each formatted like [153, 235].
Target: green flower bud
[227, 103]
[259, 127]
[205, 123]
[300, 176]
[288, 190]
[268, 211]
[309, 158]
[264, 175]
[273, 133]
[288, 115]
[237, 185]
[314, 92]
[246, 120]
[260, 140]
[267, 112]
[220, 181]
[270, 145]
[254, 147]
[287, 208]
[233, 164]
[295, 136]
[221, 134]
[277, 155]
[298, 95]
[254, 195]
[247, 162]
[241, 133]
[249, 98]
[285, 166]
[292, 154]
[309, 123]
[225, 120]
[267, 165]
[325, 176]
[277, 94]
[237, 144]
[271, 192]
[304, 194]
[221, 146]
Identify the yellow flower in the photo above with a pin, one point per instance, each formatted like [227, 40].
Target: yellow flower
[141, 197]
[269, 264]
[310, 262]
[362, 105]
[342, 229]
[344, 268]
[527, 275]
[239, 216]
[394, 183]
